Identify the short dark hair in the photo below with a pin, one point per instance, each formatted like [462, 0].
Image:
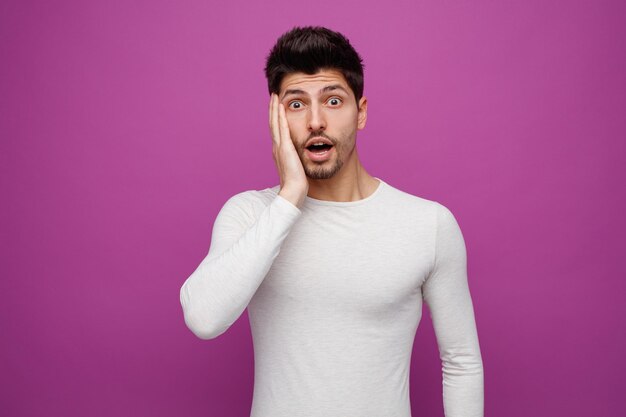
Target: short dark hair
[311, 49]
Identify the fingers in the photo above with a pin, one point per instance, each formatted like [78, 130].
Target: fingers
[274, 120]
[284, 127]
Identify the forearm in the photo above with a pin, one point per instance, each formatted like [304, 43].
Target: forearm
[463, 381]
[459, 348]
[219, 290]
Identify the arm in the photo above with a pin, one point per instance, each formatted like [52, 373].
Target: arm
[244, 246]
[241, 253]
[447, 294]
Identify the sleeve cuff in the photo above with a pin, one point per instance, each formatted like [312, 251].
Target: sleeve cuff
[286, 206]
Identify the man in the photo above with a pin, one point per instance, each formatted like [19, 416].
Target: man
[333, 264]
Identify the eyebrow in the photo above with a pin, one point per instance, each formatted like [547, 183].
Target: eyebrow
[326, 89]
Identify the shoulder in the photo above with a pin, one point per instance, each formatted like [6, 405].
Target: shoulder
[404, 202]
[253, 198]
[248, 203]
[415, 208]
[436, 220]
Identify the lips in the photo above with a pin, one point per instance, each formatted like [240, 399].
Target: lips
[319, 148]
[318, 139]
[320, 156]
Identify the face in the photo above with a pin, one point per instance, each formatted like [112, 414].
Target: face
[322, 107]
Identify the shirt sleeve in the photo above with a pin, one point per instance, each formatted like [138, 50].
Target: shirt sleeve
[447, 295]
[242, 250]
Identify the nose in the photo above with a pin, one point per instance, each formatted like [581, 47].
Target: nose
[316, 119]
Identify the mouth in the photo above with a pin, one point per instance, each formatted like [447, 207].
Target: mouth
[318, 145]
[319, 149]
[319, 156]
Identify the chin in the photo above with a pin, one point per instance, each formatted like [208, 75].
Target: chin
[323, 172]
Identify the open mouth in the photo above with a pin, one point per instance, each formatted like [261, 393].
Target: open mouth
[319, 148]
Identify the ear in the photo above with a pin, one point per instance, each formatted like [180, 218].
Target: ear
[362, 116]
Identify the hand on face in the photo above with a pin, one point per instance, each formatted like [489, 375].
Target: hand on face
[293, 182]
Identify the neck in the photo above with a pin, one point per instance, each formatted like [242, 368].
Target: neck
[351, 183]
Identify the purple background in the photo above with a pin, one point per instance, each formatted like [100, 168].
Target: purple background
[125, 126]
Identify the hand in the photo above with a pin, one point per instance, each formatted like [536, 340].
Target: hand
[293, 181]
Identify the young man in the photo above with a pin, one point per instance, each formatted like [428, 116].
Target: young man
[333, 264]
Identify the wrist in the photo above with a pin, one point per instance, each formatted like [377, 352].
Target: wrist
[294, 197]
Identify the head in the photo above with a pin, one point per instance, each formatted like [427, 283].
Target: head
[318, 77]
[309, 50]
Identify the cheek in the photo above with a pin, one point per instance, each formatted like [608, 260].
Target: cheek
[346, 119]
[346, 125]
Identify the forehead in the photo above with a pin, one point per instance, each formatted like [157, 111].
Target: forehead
[312, 83]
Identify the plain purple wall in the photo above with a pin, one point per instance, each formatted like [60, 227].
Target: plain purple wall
[126, 125]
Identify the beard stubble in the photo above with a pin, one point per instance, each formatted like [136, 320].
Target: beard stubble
[326, 169]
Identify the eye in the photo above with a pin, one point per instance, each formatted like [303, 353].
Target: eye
[334, 101]
[295, 105]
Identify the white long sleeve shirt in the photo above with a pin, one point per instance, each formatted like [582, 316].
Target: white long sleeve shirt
[334, 294]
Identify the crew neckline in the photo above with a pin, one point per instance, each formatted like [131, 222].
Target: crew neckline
[370, 197]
